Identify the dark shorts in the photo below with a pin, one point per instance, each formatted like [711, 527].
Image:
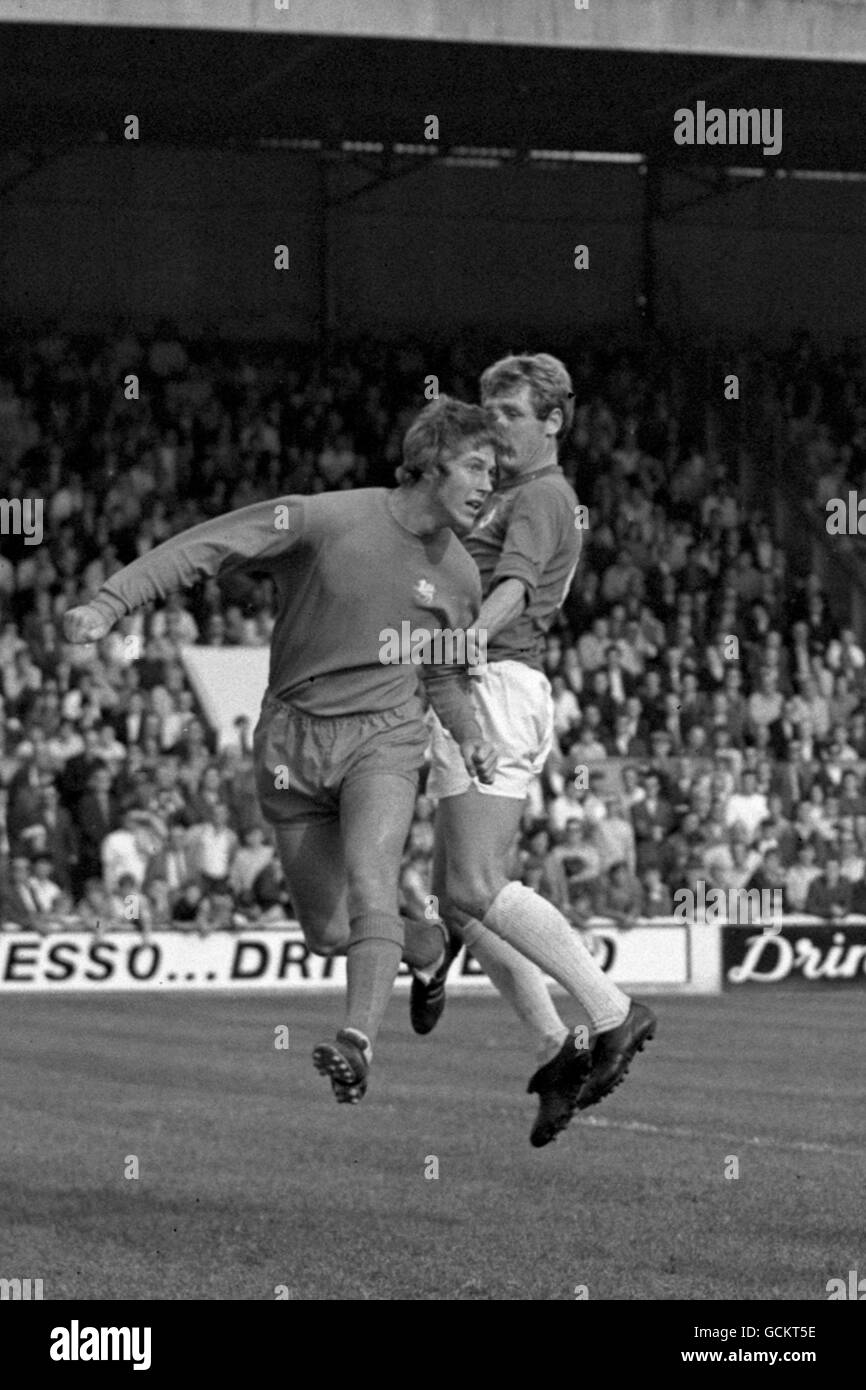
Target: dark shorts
[303, 761]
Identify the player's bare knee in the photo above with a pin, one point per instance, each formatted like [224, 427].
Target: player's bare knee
[472, 892]
[370, 894]
[325, 938]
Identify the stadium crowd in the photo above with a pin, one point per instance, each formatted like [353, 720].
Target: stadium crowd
[710, 713]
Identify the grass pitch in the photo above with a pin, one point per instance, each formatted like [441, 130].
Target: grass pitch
[252, 1178]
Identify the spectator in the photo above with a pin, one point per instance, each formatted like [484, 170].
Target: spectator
[214, 844]
[592, 646]
[765, 706]
[588, 748]
[852, 864]
[48, 895]
[189, 912]
[626, 741]
[109, 748]
[747, 807]
[568, 804]
[218, 913]
[250, 859]
[657, 899]
[769, 876]
[208, 794]
[776, 832]
[578, 856]
[271, 894]
[541, 869]
[829, 895]
[851, 799]
[731, 866]
[815, 812]
[652, 820]
[615, 837]
[94, 907]
[97, 816]
[125, 852]
[128, 908]
[632, 791]
[621, 896]
[21, 908]
[53, 834]
[172, 864]
[566, 711]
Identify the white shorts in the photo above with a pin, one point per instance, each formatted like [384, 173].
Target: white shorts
[514, 707]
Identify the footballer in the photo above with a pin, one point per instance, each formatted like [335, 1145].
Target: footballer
[342, 737]
[526, 544]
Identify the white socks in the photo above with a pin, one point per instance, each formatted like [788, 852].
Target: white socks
[535, 928]
[522, 985]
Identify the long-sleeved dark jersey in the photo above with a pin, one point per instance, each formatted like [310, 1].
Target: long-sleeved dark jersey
[346, 572]
[528, 531]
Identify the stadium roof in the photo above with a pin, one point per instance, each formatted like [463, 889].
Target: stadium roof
[62, 85]
[814, 29]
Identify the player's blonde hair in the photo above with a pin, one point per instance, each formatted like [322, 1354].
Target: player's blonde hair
[549, 384]
[444, 428]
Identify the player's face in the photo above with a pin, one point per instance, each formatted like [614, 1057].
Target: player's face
[529, 437]
[460, 495]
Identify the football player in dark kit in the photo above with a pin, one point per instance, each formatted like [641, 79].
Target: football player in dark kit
[342, 736]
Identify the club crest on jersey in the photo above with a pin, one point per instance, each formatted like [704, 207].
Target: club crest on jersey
[425, 592]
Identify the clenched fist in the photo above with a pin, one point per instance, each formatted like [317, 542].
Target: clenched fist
[85, 624]
[480, 760]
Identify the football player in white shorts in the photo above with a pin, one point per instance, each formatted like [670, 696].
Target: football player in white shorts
[526, 543]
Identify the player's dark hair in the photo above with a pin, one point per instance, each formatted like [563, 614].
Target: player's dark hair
[443, 429]
[549, 384]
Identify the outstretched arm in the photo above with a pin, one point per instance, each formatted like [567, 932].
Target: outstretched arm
[260, 532]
